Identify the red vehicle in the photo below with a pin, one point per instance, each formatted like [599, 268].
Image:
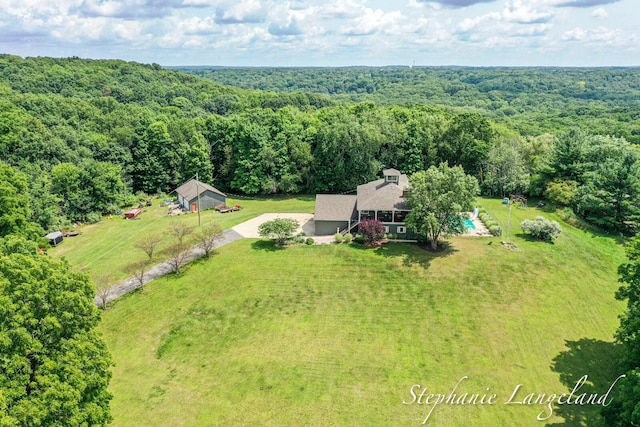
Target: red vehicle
[132, 213]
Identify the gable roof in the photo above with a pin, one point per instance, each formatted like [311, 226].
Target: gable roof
[392, 172]
[380, 195]
[334, 207]
[189, 190]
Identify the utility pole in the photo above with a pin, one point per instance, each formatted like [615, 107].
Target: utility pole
[198, 191]
[509, 220]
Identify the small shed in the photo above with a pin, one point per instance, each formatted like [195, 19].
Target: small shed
[55, 238]
[210, 197]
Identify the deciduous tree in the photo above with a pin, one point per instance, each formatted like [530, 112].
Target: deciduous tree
[178, 254]
[279, 229]
[54, 365]
[14, 203]
[208, 236]
[625, 406]
[148, 244]
[137, 270]
[437, 196]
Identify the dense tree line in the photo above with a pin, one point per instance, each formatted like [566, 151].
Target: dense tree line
[91, 133]
[531, 100]
[54, 366]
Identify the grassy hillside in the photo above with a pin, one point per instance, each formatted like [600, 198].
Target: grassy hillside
[104, 249]
[337, 335]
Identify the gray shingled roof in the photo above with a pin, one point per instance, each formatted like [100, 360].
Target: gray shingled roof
[373, 196]
[381, 195]
[390, 172]
[334, 207]
[189, 190]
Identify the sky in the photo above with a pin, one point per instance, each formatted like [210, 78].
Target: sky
[327, 33]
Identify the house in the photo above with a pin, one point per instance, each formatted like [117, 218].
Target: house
[55, 238]
[210, 197]
[383, 199]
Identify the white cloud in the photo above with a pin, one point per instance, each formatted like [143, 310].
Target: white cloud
[244, 11]
[375, 22]
[600, 13]
[525, 12]
[295, 31]
[602, 37]
[347, 9]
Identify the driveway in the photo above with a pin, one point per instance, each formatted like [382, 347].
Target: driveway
[249, 229]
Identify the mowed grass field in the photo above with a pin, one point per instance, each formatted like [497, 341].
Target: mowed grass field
[106, 248]
[336, 335]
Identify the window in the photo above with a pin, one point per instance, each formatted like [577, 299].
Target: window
[367, 215]
[385, 216]
[399, 216]
[392, 178]
[402, 230]
[386, 229]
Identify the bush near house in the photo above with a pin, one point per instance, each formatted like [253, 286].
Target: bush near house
[279, 229]
[372, 231]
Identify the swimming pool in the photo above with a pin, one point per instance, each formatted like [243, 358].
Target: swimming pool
[469, 224]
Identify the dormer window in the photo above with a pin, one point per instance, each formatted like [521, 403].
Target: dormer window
[391, 176]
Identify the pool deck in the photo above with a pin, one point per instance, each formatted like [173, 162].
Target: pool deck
[480, 231]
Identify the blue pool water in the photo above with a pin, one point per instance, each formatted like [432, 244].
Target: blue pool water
[469, 224]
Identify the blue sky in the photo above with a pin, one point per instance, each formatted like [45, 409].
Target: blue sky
[327, 33]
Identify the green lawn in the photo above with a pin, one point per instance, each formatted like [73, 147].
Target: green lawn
[338, 334]
[104, 249]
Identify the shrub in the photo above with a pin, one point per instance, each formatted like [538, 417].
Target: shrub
[567, 214]
[541, 228]
[359, 239]
[309, 241]
[93, 217]
[338, 237]
[490, 222]
[561, 192]
[372, 231]
[348, 237]
[279, 229]
[495, 230]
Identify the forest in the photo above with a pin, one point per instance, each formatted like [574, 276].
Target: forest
[92, 136]
[530, 100]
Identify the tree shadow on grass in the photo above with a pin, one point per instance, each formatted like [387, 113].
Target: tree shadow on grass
[529, 238]
[266, 245]
[413, 254]
[599, 361]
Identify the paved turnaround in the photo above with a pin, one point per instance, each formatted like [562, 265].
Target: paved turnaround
[161, 269]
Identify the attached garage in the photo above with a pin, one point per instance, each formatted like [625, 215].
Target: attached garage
[334, 212]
